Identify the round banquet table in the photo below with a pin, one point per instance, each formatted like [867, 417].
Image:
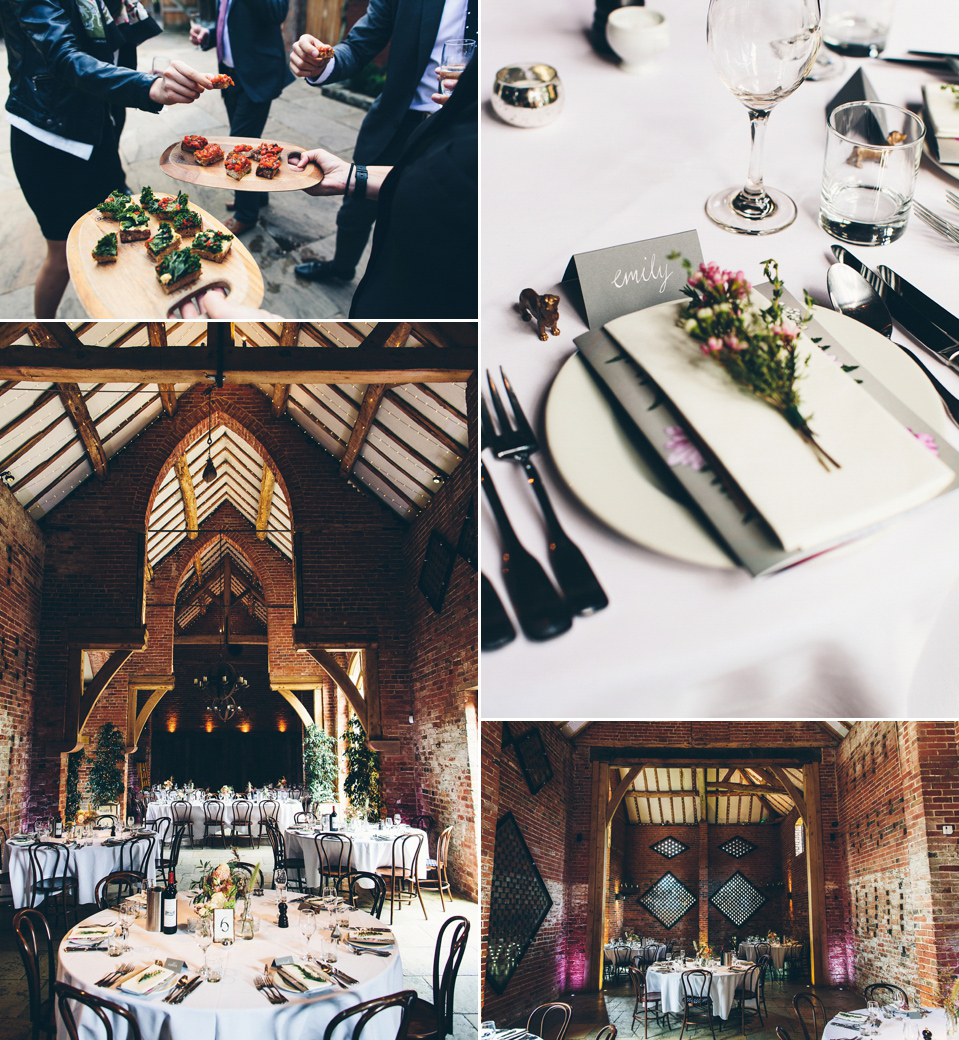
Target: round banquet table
[890, 1028]
[286, 811]
[233, 1008]
[777, 951]
[91, 861]
[869, 630]
[722, 989]
[369, 852]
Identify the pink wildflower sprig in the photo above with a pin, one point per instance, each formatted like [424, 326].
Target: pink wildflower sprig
[758, 347]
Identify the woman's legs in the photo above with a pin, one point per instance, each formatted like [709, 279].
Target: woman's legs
[52, 280]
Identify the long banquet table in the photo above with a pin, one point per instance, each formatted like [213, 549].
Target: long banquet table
[777, 952]
[369, 851]
[233, 1008]
[869, 630]
[286, 810]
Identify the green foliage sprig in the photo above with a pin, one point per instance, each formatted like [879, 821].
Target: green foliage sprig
[74, 761]
[758, 347]
[362, 782]
[105, 782]
[319, 764]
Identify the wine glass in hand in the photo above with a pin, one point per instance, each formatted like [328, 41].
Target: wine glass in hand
[762, 50]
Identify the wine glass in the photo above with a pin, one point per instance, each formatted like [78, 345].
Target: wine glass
[307, 927]
[279, 883]
[204, 938]
[762, 50]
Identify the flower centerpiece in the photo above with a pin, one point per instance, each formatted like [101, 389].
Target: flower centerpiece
[949, 994]
[704, 952]
[757, 346]
[772, 937]
[168, 784]
[222, 885]
[226, 789]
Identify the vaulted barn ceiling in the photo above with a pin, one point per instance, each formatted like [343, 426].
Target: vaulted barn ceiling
[73, 394]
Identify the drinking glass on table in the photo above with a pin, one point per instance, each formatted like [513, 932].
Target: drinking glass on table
[307, 927]
[204, 939]
[456, 56]
[857, 28]
[762, 50]
[127, 912]
[279, 883]
[215, 963]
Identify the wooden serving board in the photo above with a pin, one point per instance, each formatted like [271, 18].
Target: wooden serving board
[129, 287]
[181, 165]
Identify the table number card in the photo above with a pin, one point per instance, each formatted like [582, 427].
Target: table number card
[621, 279]
[223, 931]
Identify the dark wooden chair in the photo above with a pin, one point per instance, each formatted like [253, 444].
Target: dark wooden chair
[781, 1033]
[242, 819]
[697, 1000]
[170, 862]
[114, 888]
[747, 993]
[101, 1007]
[367, 892]
[887, 993]
[50, 880]
[269, 809]
[369, 1009]
[334, 853]
[607, 1033]
[291, 864]
[213, 819]
[162, 825]
[435, 1020]
[645, 999]
[403, 871]
[135, 854]
[106, 821]
[550, 1021]
[33, 934]
[794, 963]
[811, 1005]
[765, 965]
[181, 814]
[305, 816]
[437, 868]
[424, 822]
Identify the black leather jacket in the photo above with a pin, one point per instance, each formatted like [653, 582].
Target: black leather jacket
[61, 79]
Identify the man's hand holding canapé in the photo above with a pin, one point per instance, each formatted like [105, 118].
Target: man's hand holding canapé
[310, 57]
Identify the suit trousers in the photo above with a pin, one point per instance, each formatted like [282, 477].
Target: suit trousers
[357, 216]
[247, 119]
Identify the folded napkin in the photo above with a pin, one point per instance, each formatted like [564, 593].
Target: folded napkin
[884, 469]
[147, 980]
[371, 937]
[942, 120]
[305, 978]
[850, 1016]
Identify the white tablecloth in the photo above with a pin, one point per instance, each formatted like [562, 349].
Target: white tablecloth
[870, 631]
[890, 1029]
[722, 989]
[368, 853]
[233, 1009]
[88, 864]
[747, 951]
[285, 814]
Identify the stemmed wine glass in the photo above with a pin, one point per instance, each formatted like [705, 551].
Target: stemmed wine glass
[762, 50]
[307, 927]
[279, 882]
[204, 939]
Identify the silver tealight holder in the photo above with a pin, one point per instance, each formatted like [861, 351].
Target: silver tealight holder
[528, 95]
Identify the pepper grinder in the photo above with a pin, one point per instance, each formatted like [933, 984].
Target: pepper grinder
[603, 8]
[282, 920]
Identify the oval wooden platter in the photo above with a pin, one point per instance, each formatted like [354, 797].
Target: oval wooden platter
[181, 165]
[129, 287]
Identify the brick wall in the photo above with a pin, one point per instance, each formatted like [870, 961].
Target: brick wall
[795, 905]
[21, 577]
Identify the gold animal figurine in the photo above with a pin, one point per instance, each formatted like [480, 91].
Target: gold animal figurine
[545, 309]
[861, 154]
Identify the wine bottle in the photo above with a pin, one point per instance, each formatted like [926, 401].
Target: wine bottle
[333, 819]
[168, 907]
[57, 826]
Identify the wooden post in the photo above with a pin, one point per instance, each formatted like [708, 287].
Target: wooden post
[703, 858]
[596, 878]
[815, 874]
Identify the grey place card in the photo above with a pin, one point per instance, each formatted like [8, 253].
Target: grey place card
[172, 964]
[621, 279]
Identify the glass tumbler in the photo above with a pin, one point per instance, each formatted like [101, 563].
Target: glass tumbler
[869, 173]
[857, 28]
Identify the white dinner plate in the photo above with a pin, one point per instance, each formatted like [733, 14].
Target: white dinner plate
[606, 472]
[949, 169]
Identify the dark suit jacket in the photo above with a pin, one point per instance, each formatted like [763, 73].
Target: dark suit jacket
[424, 258]
[260, 61]
[410, 27]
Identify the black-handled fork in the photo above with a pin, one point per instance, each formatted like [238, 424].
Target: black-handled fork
[516, 440]
[497, 628]
[540, 609]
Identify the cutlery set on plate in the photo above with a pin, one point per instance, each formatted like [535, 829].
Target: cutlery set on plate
[542, 611]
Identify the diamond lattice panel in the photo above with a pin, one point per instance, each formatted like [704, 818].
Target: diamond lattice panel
[669, 847]
[668, 900]
[738, 847]
[738, 899]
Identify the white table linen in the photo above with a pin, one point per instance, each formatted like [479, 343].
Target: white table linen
[722, 989]
[890, 1028]
[233, 1008]
[369, 852]
[868, 631]
[88, 864]
[778, 953]
[285, 814]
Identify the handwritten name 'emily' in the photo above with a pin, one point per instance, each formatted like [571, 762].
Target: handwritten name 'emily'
[651, 271]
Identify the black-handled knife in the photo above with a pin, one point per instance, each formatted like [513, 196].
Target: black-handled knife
[497, 629]
[936, 313]
[933, 338]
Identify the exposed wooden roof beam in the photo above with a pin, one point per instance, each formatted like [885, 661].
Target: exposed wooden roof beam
[188, 494]
[361, 428]
[755, 789]
[73, 402]
[158, 338]
[429, 392]
[386, 334]
[267, 484]
[198, 567]
[281, 396]
[46, 396]
[31, 442]
[54, 334]
[214, 638]
[459, 450]
[84, 364]
[11, 331]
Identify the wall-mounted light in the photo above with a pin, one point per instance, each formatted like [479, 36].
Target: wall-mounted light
[209, 726]
[245, 727]
[281, 725]
[171, 724]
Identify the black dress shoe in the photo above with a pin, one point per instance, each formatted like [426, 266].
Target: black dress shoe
[322, 271]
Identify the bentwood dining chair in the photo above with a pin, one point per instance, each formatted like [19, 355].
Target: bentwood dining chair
[697, 1000]
[101, 1007]
[334, 854]
[135, 854]
[434, 1021]
[887, 993]
[781, 1033]
[114, 888]
[550, 1021]
[162, 825]
[242, 819]
[607, 1033]
[810, 1005]
[51, 882]
[306, 816]
[170, 862]
[269, 809]
[645, 999]
[106, 822]
[36, 949]
[369, 1009]
[748, 997]
[213, 819]
[403, 871]
[181, 813]
[437, 867]
[281, 861]
[367, 892]
[765, 966]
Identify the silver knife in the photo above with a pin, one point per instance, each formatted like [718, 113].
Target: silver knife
[188, 989]
[944, 346]
[937, 314]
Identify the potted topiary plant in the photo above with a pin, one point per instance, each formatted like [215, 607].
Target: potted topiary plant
[362, 782]
[105, 782]
[319, 764]
[74, 761]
